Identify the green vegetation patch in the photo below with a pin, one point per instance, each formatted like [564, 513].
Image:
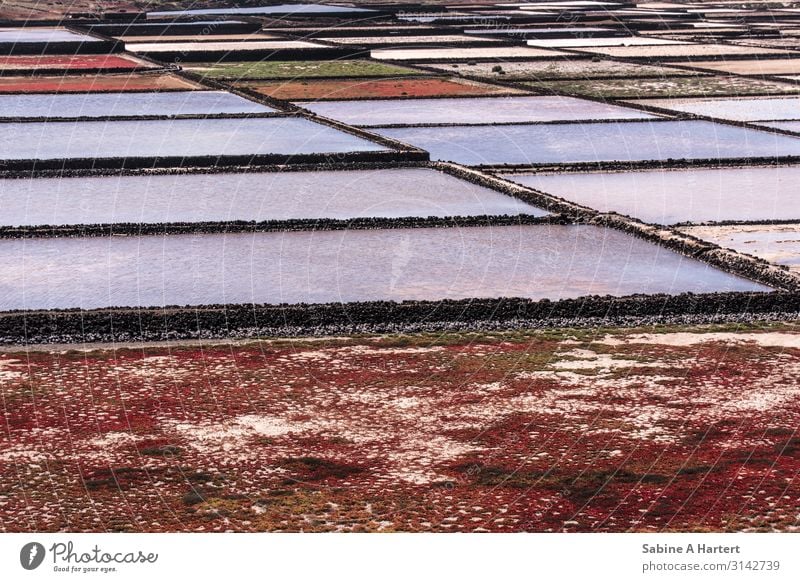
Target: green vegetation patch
[299, 69]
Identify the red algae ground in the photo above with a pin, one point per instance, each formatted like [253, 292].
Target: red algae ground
[368, 88]
[66, 62]
[95, 83]
[687, 429]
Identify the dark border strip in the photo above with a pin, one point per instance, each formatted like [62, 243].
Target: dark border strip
[768, 222]
[656, 118]
[157, 29]
[332, 165]
[181, 117]
[72, 48]
[176, 16]
[345, 31]
[34, 165]
[473, 327]
[662, 168]
[477, 42]
[247, 321]
[268, 54]
[77, 72]
[619, 166]
[252, 226]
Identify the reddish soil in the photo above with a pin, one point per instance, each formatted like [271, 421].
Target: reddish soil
[59, 63]
[367, 88]
[94, 83]
[544, 431]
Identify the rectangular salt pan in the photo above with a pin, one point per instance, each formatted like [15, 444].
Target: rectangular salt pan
[275, 9]
[244, 45]
[594, 142]
[184, 137]
[783, 66]
[600, 42]
[42, 35]
[784, 125]
[576, 32]
[682, 50]
[776, 243]
[387, 193]
[126, 104]
[669, 197]
[342, 266]
[466, 110]
[192, 38]
[761, 109]
[193, 23]
[435, 54]
[556, 5]
[405, 40]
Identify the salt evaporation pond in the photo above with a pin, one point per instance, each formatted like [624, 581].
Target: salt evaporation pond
[198, 37]
[435, 54]
[244, 45]
[600, 41]
[541, 261]
[783, 66]
[593, 142]
[777, 243]
[753, 109]
[785, 125]
[127, 104]
[406, 40]
[692, 51]
[387, 193]
[177, 137]
[669, 197]
[138, 26]
[468, 110]
[321, 9]
[534, 32]
[42, 35]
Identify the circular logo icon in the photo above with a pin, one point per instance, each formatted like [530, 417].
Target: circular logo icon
[31, 555]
